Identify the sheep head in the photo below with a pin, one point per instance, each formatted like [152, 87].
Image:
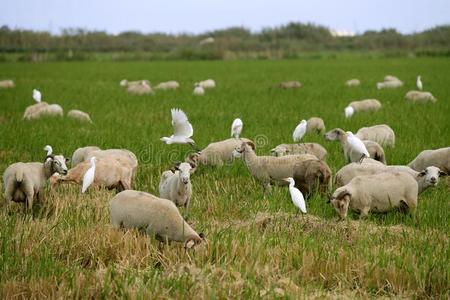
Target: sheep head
[334, 134]
[431, 175]
[340, 201]
[184, 170]
[55, 164]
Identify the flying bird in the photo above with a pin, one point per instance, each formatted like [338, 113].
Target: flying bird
[349, 111]
[236, 128]
[299, 131]
[419, 83]
[182, 129]
[296, 195]
[37, 96]
[49, 150]
[357, 145]
[89, 176]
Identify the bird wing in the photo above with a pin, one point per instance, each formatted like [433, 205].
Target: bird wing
[236, 127]
[298, 199]
[299, 132]
[180, 123]
[88, 179]
[357, 144]
[37, 95]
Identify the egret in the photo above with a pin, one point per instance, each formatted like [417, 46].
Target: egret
[89, 176]
[49, 150]
[182, 129]
[349, 111]
[37, 96]
[357, 145]
[296, 195]
[419, 83]
[299, 131]
[236, 128]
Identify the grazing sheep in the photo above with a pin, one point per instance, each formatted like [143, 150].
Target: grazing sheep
[268, 169]
[380, 192]
[81, 154]
[142, 88]
[126, 83]
[157, 216]
[79, 115]
[390, 82]
[42, 109]
[439, 158]
[290, 85]
[315, 125]
[108, 173]
[353, 82]
[303, 148]
[365, 105]
[391, 78]
[425, 179]
[176, 185]
[312, 175]
[382, 134]
[24, 182]
[199, 90]
[217, 153]
[374, 149]
[206, 84]
[168, 85]
[6, 84]
[419, 96]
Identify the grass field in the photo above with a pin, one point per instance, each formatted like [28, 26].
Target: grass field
[255, 246]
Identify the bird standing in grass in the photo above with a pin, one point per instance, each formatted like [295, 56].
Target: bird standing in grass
[49, 150]
[296, 195]
[357, 145]
[89, 176]
[182, 129]
[349, 111]
[299, 131]
[419, 83]
[37, 96]
[236, 128]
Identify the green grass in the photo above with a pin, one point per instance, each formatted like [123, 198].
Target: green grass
[255, 246]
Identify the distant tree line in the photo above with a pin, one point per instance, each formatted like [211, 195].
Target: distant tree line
[289, 41]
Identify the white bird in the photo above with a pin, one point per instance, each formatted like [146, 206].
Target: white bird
[296, 195]
[49, 150]
[182, 129]
[37, 96]
[299, 131]
[357, 145]
[236, 128]
[419, 83]
[349, 111]
[89, 176]
[199, 90]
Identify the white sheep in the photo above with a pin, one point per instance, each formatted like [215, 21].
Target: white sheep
[81, 154]
[390, 82]
[380, 192]
[374, 149]
[352, 82]
[315, 125]
[142, 88]
[365, 105]
[176, 185]
[5, 84]
[382, 134]
[426, 178]
[269, 169]
[419, 96]
[168, 85]
[439, 158]
[157, 216]
[34, 111]
[290, 85]
[79, 115]
[303, 148]
[126, 83]
[206, 84]
[24, 182]
[199, 90]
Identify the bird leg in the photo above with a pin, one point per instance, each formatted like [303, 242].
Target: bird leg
[361, 159]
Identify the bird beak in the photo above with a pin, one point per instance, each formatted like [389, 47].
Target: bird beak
[285, 179]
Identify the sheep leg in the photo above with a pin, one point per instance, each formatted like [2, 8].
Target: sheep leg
[186, 208]
[9, 190]
[267, 188]
[364, 212]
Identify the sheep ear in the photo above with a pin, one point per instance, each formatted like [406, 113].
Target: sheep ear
[189, 244]
[442, 173]
[201, 235]
[67, 160]
[193, 166]
[343, 194]
[423, 173]
[252, 145]
[48, 157]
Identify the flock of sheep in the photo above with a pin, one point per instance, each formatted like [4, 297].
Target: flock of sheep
[366, 183]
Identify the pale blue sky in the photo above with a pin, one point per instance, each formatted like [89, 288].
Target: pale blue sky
[202, 15]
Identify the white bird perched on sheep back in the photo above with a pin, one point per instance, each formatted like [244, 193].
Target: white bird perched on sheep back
[357, 145]
[182, 129]
[236, 128]
[299, 131]
[49, 150]
[89, 176]
[37, 96]
[419, 83]
[349, 111]
[296, 195]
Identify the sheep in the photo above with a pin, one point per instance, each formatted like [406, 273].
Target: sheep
[126, 83]
[382, 134]
[142, 88]
[206, 84]
[125, 157]
[365, 105]
[217, 153]
[380, 192]
[108, 172]
[42, 109]
[302, 148]
[79, 115]
[6, 84]
[419, 96]
[391, 78]
[268, 169]
[425, 179]
[199, 90]
[390, 82]
[311, 175]
[353, 82]
[168, 85]
[176, 185]
[439, 158]
[54, 110]
[24, 182]
[374, 149]
[81, 154]
[290, 85]
[315, 125]
[157, 216]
